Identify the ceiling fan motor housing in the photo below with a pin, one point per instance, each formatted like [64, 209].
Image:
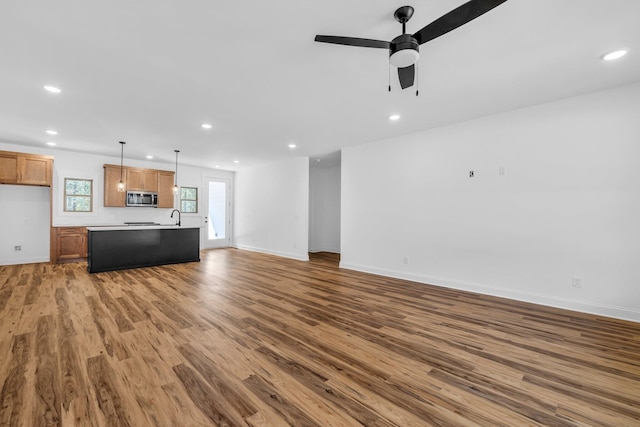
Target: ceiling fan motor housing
[404, 51]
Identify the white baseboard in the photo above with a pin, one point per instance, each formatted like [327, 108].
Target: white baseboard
[26, 260]
[623, 313]
[272, 252]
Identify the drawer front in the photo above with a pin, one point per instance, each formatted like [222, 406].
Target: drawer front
[71, 230]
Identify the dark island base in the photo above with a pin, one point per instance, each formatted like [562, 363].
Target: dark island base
[122, 249]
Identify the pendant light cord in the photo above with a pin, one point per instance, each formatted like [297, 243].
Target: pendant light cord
[176, 181]
[121, 158]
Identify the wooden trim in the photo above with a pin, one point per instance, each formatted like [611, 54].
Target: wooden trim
[136, 168]
[42, 156]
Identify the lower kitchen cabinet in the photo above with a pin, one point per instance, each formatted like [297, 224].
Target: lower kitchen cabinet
[69, 244]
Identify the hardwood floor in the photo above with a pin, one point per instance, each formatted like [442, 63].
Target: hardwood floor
[247, 339]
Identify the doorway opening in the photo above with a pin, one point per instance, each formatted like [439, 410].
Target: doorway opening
[217, 229]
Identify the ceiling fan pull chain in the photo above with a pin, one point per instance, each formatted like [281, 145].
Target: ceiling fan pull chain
[389, 77]
[417, 79]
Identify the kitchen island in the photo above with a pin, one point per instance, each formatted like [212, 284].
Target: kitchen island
[122, 247]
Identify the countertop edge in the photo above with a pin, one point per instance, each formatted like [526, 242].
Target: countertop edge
[142, 227]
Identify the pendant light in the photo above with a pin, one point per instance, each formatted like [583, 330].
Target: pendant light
[121, 183]
[175, 184]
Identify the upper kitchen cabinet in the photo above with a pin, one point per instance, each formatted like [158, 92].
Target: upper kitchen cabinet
[25, 169]
[112, 197]
[8, 168]
[137, 179]
[165, 189]
[142, 180]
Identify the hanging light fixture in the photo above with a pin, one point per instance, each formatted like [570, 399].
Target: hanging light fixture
[175, 184]
[121, 183]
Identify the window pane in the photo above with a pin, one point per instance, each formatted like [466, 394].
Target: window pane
[77, 195]
[189, 199]
[217, 210]
[78, 186]
[189, 193]
[189, 206]
[78, 204]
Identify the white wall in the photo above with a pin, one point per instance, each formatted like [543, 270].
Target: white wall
[272, 208]
[324, 206]
[68, 164]
[24, 221]
[568, 204]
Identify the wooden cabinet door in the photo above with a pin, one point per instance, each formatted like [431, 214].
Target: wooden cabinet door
[71, 244]
[165, 189]
[142, 180]
[34, 170]
[135, 180]
[8, 169]
[151, 180]
[113, 197]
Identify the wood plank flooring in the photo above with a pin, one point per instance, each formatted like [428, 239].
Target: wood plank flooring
[247, 339]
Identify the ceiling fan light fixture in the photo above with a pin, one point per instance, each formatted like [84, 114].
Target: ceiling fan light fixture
[404, 58]
[404, 51]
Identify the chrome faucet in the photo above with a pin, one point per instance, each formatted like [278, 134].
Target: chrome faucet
[174, 211]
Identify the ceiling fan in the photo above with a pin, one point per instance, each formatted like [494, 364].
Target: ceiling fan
[403, 50]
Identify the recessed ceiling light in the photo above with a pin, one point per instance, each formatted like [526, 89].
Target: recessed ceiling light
[206, 126]
[616, 54]
[394, 117]
[51, 132]
[236, 161]
[292, 145]
[52, 89]
[149, 157]
[217, 166]
[51, 143]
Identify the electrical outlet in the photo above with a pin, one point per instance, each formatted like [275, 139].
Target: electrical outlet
[405, 260]
[501, 171]
[576, 282]
[17, 248]
[471, 174]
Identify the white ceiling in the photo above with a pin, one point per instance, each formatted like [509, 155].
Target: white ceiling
[150, 72]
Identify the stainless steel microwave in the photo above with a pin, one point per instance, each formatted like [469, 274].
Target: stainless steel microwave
[142, 198]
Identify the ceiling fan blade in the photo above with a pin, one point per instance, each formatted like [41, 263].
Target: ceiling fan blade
[353, 41]
[406, 76]
[456, 18]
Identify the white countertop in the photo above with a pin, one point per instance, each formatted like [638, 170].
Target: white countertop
[140, 227]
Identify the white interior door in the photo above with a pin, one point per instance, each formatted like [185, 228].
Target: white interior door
[216, 232]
